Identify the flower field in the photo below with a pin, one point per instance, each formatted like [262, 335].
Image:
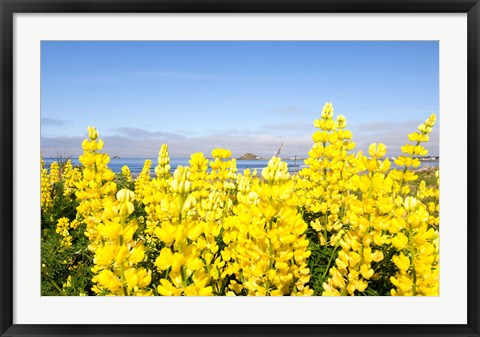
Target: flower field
[347, 224]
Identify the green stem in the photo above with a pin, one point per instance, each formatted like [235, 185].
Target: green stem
[325, 228]
[167, 272]
[184, 276]
[52, 281]
[405, 170]
[124, 286]
[330, 261]
[270, 265]
[270, 259]
[412, 261]
[223, 285]
[122, 269]
[370, 190]
[180, 208]
[324, 169]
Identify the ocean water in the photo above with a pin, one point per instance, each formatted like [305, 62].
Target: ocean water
[136, 164]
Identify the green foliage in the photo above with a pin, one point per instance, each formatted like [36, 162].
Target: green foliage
[319, 262]
[60, 262]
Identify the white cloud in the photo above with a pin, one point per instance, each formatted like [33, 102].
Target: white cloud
[138, 133]
[126, 145]
[294, 127]
[295, 136]
[46, 121]
[393, 134]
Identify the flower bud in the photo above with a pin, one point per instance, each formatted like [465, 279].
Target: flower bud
[410, 203]
[342, 121]
[430, 122]
[327, 112]
[125, 195]
[92, 133]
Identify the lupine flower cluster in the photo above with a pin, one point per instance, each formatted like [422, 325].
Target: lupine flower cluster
[346, 224]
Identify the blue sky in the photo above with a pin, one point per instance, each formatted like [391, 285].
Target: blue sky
[248, 96]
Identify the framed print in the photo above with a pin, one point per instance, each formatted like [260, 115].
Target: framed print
[293, 160]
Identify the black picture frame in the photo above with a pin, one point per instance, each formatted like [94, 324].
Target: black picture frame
[10, 7]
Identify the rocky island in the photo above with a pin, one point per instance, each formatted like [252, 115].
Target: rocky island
[249, 156]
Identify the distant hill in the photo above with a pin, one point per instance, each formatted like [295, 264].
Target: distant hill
[249, 156]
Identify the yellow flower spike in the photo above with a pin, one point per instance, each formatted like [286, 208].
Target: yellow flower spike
[126, 173]
[45, 190]
[63, 226]
[54, 176]
[162, 170]
[180, 183]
